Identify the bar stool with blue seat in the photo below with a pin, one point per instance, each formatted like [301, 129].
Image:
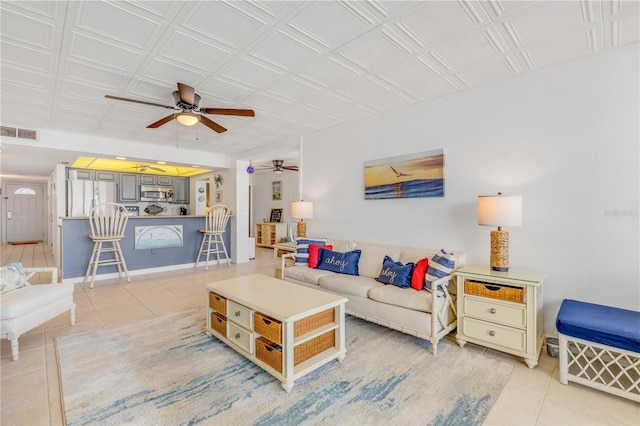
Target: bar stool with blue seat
[212, 236]
[108, 222]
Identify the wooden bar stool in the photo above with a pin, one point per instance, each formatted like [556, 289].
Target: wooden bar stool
[108, 222]
[216, 223]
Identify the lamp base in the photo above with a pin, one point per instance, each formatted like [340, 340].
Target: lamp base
[499, 251]
[302, 229]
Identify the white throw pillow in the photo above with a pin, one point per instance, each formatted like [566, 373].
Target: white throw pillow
[12, 277]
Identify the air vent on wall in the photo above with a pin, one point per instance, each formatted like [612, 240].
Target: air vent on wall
[13, 132]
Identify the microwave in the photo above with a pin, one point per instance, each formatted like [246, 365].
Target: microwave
[156, 193]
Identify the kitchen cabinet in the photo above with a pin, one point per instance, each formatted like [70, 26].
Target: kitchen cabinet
[128, 187]
[181, 190]
[156, 180]
[165, 180]
[106, 176]
[148, 180]
[80, 174]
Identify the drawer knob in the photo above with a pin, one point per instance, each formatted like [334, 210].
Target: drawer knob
[237, 313]
[237, 336]
[492, 310]
[492, 333]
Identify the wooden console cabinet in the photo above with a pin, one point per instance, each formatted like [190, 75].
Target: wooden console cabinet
[270, 233]
[501, 310]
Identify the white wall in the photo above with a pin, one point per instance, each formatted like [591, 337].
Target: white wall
[566, 138]
[262, 196]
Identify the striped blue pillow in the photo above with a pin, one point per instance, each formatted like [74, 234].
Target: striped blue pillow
[440, 265]
[302, 249]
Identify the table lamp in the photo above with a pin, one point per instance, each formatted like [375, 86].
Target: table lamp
[302, 210]
[500, 210]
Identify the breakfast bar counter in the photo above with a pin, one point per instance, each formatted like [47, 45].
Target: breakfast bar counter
[149, 242]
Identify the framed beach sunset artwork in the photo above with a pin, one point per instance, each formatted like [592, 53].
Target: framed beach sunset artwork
[406, 176]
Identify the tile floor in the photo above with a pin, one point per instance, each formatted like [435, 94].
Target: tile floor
[30, 393]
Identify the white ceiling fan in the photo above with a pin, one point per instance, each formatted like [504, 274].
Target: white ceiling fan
[278, 167]
[141, 168]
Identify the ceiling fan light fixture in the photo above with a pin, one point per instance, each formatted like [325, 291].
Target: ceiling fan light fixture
[187, 119]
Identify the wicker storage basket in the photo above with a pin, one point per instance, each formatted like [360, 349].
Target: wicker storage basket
[271, 353]
[313, 347]
[218, 303]
[267, 352]
[219, 323]
[494, 291]
[267, 327]
[272, 328]
[305, 325]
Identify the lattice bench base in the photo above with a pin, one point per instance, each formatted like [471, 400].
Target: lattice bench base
[609, 369]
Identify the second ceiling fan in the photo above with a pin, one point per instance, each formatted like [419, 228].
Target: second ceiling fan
[187, 101]
[278, 167]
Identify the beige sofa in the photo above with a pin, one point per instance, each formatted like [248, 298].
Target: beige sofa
[418, 313]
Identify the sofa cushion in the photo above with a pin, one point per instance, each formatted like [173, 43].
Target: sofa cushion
[440, 265]
[411, 254]
[305, 274]
[314, 251]
[340, 263]
[302, 249]
[396, 273]
[372, 257]
[32, 298]
[348, 285]
[343, 245]
[404, 297]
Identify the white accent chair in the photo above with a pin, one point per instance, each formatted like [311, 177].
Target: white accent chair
[108, 222]
[27, 306]
[216, 223]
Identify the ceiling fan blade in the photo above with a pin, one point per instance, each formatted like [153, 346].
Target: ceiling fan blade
[157, 169]
[138, 102]
[162, 121]
[227, 111]
[212, 124]
[187, 93]
[292, 168]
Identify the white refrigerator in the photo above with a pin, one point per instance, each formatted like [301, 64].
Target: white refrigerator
[82, 195]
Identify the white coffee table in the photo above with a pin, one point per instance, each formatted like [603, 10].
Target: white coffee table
[286, 329]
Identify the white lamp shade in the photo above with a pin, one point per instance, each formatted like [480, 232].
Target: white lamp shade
[500, 210]
[302, 210]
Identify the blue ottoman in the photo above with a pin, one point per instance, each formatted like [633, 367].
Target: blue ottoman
[600, 347]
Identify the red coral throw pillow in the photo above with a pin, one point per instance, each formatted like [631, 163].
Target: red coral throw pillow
[417, 279]
[314, 250]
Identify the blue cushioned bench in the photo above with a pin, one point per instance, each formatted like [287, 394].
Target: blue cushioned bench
[600, 347]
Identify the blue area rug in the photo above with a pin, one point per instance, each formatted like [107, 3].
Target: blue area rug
[166, 370]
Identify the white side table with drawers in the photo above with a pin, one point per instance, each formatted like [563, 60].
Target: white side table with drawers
[501, 310]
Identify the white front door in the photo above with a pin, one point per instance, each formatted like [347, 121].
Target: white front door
[25, 212]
